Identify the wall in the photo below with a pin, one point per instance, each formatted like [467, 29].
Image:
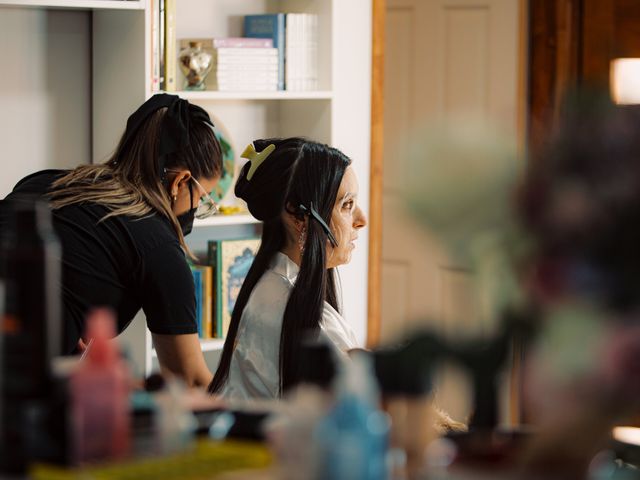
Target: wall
[350, 124]
[42, 104]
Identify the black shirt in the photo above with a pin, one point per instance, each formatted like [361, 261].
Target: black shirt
[123, 262]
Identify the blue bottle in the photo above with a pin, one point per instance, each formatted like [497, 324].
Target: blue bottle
[352, 440]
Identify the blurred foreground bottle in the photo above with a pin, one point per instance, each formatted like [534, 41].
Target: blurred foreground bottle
[99, 395]
[30, 331]
[352, 440]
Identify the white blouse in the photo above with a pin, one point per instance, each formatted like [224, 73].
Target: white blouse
[253, 372]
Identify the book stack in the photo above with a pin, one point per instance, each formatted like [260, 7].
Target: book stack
[295, 35]
[278, 52]
[301, 52]
[244, 64]
[217, 278]
[205, 289]
[269, 26]
[232, 260]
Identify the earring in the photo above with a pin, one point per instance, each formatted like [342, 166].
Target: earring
[174, 198]
[302, 238]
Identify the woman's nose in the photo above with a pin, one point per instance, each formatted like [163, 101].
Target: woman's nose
[360, 219]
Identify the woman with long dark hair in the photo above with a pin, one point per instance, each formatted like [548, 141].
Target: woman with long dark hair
[306, 194]
[122, 226]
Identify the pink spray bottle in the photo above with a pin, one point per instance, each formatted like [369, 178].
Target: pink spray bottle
[99, 394]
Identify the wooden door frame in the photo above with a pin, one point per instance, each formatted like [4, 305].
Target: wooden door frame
[376, 166]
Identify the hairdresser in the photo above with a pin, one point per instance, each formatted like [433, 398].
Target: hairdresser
[122, 226]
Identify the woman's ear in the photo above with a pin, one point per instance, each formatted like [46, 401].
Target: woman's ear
[301, 225]
[182, 176]
[296, 221]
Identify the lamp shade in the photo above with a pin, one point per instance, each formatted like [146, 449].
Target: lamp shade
[625, 81]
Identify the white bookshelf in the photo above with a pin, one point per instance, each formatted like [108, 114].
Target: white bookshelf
[278, 95]
[78, 4]
[225, 220]
[118, 38]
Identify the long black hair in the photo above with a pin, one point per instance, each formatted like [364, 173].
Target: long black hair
[298, 175]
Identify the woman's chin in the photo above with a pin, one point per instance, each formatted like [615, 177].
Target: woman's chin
[347, 257]
[342, 260]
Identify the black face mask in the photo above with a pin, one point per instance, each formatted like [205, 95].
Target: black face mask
[186, 219]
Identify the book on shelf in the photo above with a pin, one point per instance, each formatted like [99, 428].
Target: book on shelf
[310, 64]
[209, 290]
[250, 69]
[155, 45]
[257, 76]
[313, 54]
[242, 42]
[247, 67]
[248, 80]
[269, 26]
[232, 52]
[292, 46]
[164, 60]
[301, 52]
[207, 306]
[197, 282]
[204, 289]
[170, 53]
[246, 59]
[161, 43]
[254, 79]
[232, 260]
[245, 76]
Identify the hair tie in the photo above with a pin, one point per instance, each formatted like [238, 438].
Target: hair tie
[312, 213]
[174, 132]
[256, 158]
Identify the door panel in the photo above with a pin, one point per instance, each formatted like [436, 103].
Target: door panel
[443, 58]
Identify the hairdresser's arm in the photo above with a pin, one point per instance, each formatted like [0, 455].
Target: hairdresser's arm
[181, 355]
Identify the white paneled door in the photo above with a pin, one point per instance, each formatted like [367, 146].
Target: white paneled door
[442, 58]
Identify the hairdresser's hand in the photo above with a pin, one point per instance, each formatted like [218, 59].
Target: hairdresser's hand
[197, 399]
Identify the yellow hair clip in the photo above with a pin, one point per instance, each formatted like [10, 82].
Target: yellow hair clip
[256, 158]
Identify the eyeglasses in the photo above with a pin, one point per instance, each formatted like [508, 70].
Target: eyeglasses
[206, 205]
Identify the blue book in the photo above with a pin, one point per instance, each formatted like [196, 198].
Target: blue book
[269, 26]
[197, 281]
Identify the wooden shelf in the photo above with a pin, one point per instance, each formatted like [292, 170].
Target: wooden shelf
[79, 4]
[209, 345]
[224, 220]
[278, 95]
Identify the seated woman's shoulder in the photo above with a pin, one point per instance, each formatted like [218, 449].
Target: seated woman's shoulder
[270, 293]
